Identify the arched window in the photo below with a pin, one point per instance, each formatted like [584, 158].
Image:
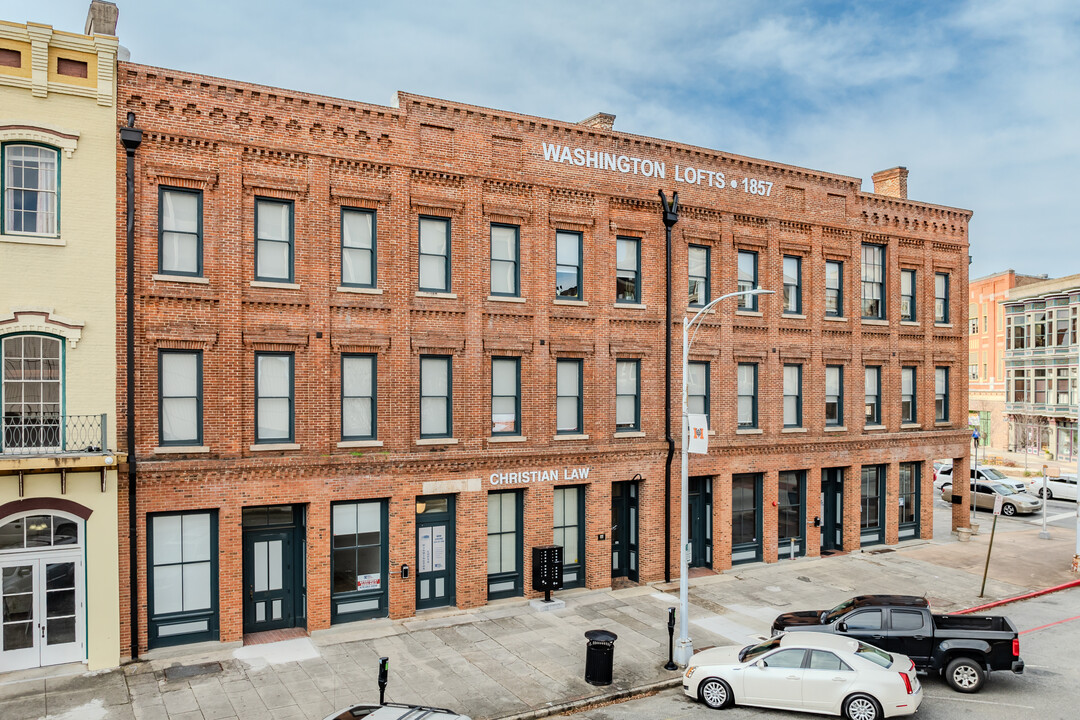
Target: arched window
[31, 382]
[30, 182]
[38, 530]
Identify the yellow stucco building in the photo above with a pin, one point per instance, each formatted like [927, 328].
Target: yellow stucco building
[58, 464]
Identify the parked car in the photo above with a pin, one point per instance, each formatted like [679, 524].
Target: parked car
[985, 498]
[394, 711]
[813, 672]
[943, 476]
[1062, 488]
[963, 648]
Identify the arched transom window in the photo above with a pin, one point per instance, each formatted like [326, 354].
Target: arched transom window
[31, 532]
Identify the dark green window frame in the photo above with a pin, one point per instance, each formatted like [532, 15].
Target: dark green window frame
[446, 257]
[873, 281]
[752, 395]
[291, 242]
[626, 277]
[941, 394]
[448, 361]
[373, 399]
[796, 395]
[515, 261]
[635, 396]
[291, 397]
[694, 280]
[162, 191]
[909, 396]
[497, 581]
[792, 296]
[4, 229]
[345, 605]
[706, 400]
[834, 294]
[578, 395]
[909, 495]
[746, 279]
[941, 298]
[156, 623]
[198, 439]
[374, 249]
[516, 397]
[578, 269]
[908, 296]
[836, 398]
[873, 400]
[559, 534]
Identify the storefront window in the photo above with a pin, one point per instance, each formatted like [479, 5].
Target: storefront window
[358, 557]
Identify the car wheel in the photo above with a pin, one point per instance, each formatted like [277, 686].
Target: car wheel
[965, 675]
[1049, 494]
[715, 693]
[862, 707]
[1008, 509]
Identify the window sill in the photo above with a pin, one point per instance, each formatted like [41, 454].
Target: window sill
[749, 431]
[33, 240]
[835, 428]
[631, 306]
[570, 436]
[694, 309]
[437, 441]
[942, 423]
[359, 443]
[360, 290]
[910, 323]
[507, 438]
[193, 279]
[873, 428]
[712, 432]
[428, 294]
[181, 449]
[270, 447]
[873, 321]
[793, 316]
[830, 318]
[793, 430]
[628, 434]
[910, 426]
[506, 298]
[274, 285]
[942, 325]
[749, 313]
[560, 301]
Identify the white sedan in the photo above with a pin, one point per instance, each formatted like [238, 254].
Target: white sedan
[1061, 488]
[814, 672]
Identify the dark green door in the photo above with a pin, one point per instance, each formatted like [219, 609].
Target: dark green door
[269, 580]
[746, 517]
[434, 551]
[832, 509]
[700, 521]
[624, 530]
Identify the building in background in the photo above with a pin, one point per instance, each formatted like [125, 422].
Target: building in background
[58, 460]
[1041, 368]
[383, 352]
[986, 353]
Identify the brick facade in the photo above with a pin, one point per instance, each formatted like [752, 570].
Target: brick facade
[476, 166]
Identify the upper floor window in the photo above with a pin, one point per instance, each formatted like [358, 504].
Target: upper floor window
[505, 259]
[792, 396]
[748, 279]
[792, 284]
[834, 288]
[273, 397]
[907, 295]
[568, 394]
[697, 388]
[436, 392]
[834, 395]
[873, 395]
[699, 275]
[568, 265]
[505, 396]
[627, 270]
[180, 232]
[627, 395]
[941, 394]
[1061, 327]
[30, 184]
[180, 397]
[941, 297]
[358, 248]
[32, 387]
[973, 326]
[434, 254]
[358, 397]
[908, 397]
[747, 395]
[274, 240]
[873, 281]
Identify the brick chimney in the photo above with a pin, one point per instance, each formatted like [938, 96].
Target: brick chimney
[891, 182]
[101, 18]
[600, 121]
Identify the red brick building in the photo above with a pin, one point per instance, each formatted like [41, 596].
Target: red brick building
[433, 335]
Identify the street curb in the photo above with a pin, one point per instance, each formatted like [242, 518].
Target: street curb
[1018, 598]
[594, 700]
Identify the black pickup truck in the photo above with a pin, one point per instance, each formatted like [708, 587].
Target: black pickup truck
[961, 647]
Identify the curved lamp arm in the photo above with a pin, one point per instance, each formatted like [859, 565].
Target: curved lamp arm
[748, 293]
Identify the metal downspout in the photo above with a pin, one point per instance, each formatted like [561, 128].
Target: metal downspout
[670, 214]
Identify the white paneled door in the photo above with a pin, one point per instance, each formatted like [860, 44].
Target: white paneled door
[43, 620]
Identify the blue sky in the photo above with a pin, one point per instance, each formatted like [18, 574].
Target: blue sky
[979, 100]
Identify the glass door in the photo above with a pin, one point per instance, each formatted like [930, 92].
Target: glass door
[832, 509]
[42, 620]
[791, 517]
[746, 517]
[700, 521]
[624, 530]
[268, 571]
[434, 551]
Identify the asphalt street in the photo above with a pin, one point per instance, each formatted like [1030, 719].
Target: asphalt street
[1049, 689]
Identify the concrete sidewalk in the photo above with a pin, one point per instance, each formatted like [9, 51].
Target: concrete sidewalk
[507, 659]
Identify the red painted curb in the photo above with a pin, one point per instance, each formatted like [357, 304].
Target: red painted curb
[1006, 601]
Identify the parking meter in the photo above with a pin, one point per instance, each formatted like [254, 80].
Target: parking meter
[384, 670]
[670, 665]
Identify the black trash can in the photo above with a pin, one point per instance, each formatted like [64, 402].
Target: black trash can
[599, 656]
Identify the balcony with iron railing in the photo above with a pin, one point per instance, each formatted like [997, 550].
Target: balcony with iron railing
[52, 434]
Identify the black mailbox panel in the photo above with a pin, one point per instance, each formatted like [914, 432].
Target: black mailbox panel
[547, 568]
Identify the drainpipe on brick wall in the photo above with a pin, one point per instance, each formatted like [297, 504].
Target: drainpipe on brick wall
[131, 138]
[670, 214]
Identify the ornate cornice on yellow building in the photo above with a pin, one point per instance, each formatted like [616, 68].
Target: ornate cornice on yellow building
[41, 48]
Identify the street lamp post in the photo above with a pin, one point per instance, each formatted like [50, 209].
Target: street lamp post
[684, 647]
